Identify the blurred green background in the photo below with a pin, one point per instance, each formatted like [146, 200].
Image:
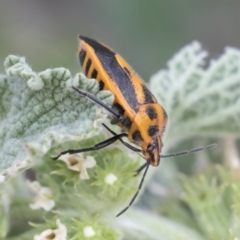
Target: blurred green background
[145, 33]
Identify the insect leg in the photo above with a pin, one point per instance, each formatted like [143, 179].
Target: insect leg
[123, 142]
[135, 195]
[130, 147]
[140, 169]
[96, 100]
[100, 145]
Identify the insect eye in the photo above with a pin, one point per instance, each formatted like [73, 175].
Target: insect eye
[150, 147]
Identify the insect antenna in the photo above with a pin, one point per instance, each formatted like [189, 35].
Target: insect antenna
[186, 152]
[135, 195]
[182, 153]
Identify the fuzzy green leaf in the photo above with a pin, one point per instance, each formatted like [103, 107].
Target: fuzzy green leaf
[41, 110]
[199, 100]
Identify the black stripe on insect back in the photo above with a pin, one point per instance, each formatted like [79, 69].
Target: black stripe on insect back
[101, 85]
[121, 78]
[115, 72]
[148, 97]
[82, 56]
[98, 47]
[94, 73]
[88, 65]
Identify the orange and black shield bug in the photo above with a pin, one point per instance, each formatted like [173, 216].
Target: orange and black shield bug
[134, 109]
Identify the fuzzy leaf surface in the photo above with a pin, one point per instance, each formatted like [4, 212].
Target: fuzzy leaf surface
[41, 110]
[200, 100]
